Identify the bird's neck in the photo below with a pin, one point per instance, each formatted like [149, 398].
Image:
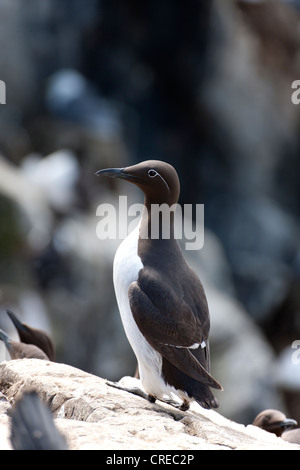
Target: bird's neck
[157, 245]
[157, 222]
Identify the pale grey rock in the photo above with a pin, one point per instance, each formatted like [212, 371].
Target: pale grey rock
[93, 415]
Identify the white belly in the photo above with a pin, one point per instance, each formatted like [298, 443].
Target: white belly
[127, 264]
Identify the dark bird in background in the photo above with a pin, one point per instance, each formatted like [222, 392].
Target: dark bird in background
[33, 336]
[161, 300]
[18, 350]
[32, 426]
[276, 422]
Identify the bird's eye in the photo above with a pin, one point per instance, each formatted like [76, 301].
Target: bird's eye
[152, 173]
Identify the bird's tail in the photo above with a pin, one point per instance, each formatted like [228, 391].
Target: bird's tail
[204, 396]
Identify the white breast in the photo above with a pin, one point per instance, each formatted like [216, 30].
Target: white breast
[127, 264]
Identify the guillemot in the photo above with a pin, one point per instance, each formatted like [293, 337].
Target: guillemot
[276, 422]
[161, 300]
[33, 336]
[19, 350]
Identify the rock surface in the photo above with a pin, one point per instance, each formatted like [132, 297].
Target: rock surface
[93, 415]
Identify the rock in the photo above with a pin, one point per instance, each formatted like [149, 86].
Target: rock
[35, 217]
[93, 415]
[55, 175]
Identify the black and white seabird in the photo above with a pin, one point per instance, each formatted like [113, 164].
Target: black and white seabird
[33, 336]
[276, 422]
[161, 300]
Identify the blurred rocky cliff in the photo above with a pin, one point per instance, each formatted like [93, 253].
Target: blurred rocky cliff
[203, 85]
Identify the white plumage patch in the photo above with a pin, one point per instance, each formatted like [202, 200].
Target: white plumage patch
[127, 265]
[193, 346]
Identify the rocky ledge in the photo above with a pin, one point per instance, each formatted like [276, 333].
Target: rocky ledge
[93, 415]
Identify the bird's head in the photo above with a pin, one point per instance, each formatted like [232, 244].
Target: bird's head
[158, 180]
[274, 421]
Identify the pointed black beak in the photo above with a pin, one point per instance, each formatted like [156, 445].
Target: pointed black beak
[18, 324]
[112, 172]
[288, 423]
[4, 337]
[116, 173]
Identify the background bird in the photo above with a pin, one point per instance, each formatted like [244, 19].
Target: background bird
[276, 422]
[33, 336]
[19, 350]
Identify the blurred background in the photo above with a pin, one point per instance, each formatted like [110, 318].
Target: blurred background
[204, 85]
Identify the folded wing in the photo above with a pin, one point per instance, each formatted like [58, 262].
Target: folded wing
[172, 328]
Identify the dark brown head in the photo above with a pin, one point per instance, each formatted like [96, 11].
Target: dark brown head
[34, 336]
[274, 421]
[158, 180]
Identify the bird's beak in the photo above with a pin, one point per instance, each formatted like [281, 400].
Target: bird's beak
[288, 423]
[111, 172]
[15, 320]
[116, 173]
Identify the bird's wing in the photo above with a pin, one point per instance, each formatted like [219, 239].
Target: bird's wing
[171, 327]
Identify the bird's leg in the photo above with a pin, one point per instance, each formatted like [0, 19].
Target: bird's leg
[135, 390]
[151, 398]
[184, 406]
